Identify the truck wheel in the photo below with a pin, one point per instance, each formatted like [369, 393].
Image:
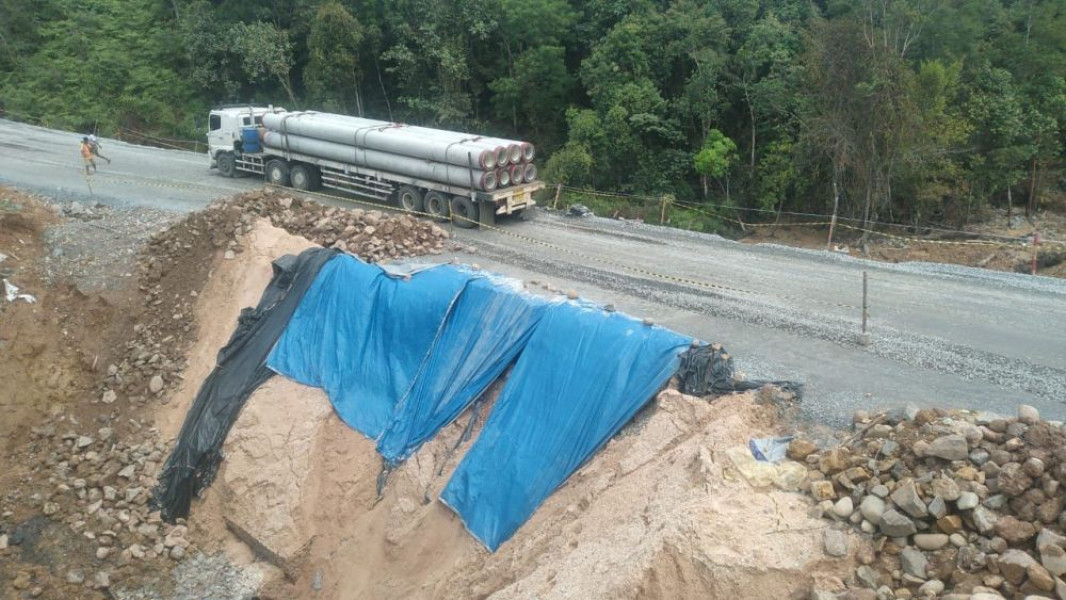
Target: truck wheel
[409, 198]
[227, 164]
[436, 205]
[465, 212]
[304, 177]
[277, 172]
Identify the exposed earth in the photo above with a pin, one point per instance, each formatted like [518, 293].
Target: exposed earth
[98, 371]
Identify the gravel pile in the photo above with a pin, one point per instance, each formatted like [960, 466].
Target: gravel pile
[372, 235]
[94, 500]
[957, 505]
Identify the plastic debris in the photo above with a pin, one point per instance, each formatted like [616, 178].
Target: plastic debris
[787, 475]
[769, 449]
[11, 292]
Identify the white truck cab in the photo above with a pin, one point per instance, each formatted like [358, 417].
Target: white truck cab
[225, 124]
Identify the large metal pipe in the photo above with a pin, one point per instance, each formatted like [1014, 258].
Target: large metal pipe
[530, 173]
[376, 159]
[443, 133]
[508, 151]
[377, 135]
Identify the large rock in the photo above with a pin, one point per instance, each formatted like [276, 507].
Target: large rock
[1014, 531]
[872, 508]
[984, 519]
[1028, 414]
[822, 490]
[930, 541]
[945, 488]
[1040, 577]
[1013, 480]
[1013, 565]
[833, 461]
[913, 562]
[948, 447]
[836, 543]
[799, 449]
[907, 499]
[1054, 559]
[967, 500]
[894, 524]
[844, 507]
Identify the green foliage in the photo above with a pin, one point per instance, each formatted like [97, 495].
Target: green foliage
[911, 109]
[717, 155]
[333, 70]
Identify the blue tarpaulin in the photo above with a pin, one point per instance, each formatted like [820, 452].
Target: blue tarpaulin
[583, 375]
[402, 354]
[362, 334]
[485, 330]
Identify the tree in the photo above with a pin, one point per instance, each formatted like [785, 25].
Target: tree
[714, 160]
[332, 74]
[266, 52]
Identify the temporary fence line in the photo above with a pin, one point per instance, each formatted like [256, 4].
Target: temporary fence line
[569, 251]
[693, 207]
[162, 141]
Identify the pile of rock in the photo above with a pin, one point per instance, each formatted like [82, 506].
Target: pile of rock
[98, 488]
[176, 262]
[954, 503]
[370, 234]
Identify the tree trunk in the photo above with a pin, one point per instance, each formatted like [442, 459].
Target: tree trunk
[285, 83]
[866, 212]
[1010, 206]
[381, 82]
[751, 113]
[1030, 207]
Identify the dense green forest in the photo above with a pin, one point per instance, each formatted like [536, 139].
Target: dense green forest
[914, 111]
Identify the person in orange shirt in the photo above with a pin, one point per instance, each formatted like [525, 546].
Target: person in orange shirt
[87, 155]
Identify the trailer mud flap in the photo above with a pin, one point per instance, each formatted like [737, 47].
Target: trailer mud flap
[487, 214]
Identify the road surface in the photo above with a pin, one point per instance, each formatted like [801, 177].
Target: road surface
[939, 335]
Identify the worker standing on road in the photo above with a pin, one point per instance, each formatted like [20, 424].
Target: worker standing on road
[94, 145]
[87, 155]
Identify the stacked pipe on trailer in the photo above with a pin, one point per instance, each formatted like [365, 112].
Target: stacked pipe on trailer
[446, 156]
[405, 165]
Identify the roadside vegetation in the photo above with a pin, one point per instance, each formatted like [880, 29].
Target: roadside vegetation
[910, 111]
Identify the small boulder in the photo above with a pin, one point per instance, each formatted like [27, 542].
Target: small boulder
[907, 499]
[1013, 565]
[1028, 414]
[930, 541]
[948, 447]
[913, 562]
[1014, 530]
[967, 501]
[894, 524]
[871, 508]
[836, 543]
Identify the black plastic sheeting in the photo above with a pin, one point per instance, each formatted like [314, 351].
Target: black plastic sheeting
[709, 369]
[239, 369]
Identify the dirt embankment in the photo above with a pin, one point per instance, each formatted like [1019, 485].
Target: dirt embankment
[87, 369]
[97, 378]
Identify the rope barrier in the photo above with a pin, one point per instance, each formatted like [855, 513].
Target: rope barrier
[699, 209]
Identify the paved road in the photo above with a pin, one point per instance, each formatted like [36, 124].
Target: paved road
[940, 335]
